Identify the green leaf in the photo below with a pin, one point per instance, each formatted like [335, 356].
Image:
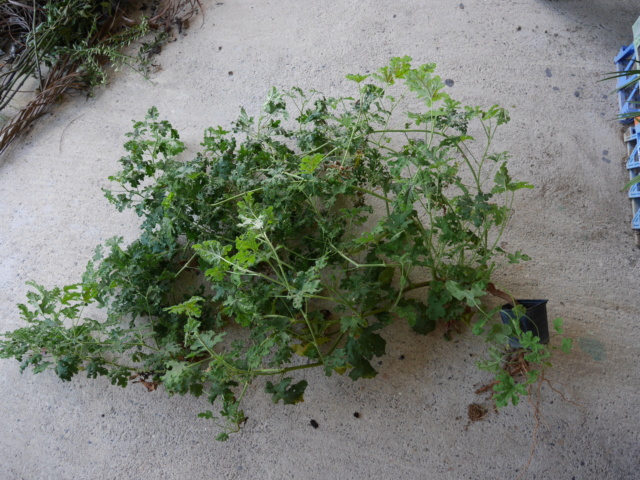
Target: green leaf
[469, 295]
[290, 395]
[351, 323]
[507, 390]
[206, 341]
[308, 164]
[180, 377]
[369, 236]
[516, 257]
[497, 112]
[398, 68]
[215, 254]
[191, 307]
[633, 182]
[362, 349]
[41, 367]
[557, 325]
[386, 276]
[567, 345]
[67, 367]
[275, 103]
[504, 182]
[95, 367]
[357, 78]
[415, 313]
[304, 286]
[120, 376]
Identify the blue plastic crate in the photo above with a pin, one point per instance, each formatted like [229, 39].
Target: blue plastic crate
[624, 54]
[634, 191]
[630, 102]
[634, 158]
[635, 224]
[628, 93]
[631, 135]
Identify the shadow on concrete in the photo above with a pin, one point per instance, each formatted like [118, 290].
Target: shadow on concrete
[614, 17]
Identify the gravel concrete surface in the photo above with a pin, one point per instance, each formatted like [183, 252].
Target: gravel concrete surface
[540, 58]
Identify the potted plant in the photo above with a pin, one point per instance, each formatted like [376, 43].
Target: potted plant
[289, 243]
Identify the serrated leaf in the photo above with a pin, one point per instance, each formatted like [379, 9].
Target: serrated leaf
[386, 276]
[41, 367]
[507, 390]
[180, 377]
[516, 257]
[469, 295]
[557, 325]
[120, 376]
[300, 349]
[415, 313]
[304, 286]
[191, 307]
[357, 78]
[308, 164]
[351, 323]
[67, 367]
[290, 395]
[95, 367]
[362, 349]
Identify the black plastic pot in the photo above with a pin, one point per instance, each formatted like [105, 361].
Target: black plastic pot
[534, 320]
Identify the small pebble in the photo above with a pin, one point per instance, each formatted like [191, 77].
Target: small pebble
[356, 414]
[314, 424]
[448, 82]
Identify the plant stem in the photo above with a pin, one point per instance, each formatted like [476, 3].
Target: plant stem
[279, 371]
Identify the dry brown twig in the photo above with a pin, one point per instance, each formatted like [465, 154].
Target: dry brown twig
[56, 83]
[17, 18]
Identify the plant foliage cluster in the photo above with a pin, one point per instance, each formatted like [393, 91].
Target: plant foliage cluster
[66, 44]
[628, 81]
[288, 243]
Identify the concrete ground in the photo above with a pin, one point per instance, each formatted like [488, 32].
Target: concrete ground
[542, 59]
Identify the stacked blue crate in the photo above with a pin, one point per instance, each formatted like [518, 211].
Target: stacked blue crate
[628, 92]
[629, 101]
[632, 137]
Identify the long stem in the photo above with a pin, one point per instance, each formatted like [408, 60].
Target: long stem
[277, 371]
[186, 265]
[219, 358]
[35, 44]
[243, 194]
